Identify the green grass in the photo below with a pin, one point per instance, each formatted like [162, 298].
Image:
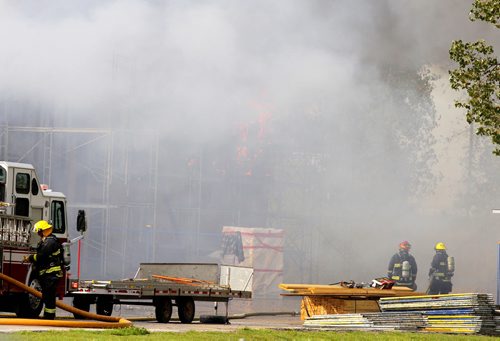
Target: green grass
[134, 333]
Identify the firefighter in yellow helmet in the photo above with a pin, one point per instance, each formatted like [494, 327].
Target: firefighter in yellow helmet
[441, 271]
[47, 263]
[403, 267]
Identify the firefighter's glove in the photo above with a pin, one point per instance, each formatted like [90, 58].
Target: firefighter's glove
[28, 259]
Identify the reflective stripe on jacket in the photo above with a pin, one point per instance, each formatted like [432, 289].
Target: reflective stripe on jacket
[439, 267]
[48, 257]
[395, 270]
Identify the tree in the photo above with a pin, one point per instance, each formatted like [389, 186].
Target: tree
[478, 73]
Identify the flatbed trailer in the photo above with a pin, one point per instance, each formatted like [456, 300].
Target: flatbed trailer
[211, 283]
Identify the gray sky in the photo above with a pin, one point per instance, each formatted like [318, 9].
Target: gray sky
[202, 63]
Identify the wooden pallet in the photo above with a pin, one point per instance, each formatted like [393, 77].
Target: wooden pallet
[322, 305]
[321, 299]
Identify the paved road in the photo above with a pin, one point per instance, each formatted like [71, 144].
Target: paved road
[272, 322]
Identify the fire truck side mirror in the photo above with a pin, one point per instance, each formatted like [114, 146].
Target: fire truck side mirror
[81, 221]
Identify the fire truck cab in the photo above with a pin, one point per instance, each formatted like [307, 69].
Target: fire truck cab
[24, 201]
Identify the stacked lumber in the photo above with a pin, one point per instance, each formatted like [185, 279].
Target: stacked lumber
[337, 299]
[452, 313]
[382, 321]
[497, 323]
[184, 280]
[324, 305]
[340, 291]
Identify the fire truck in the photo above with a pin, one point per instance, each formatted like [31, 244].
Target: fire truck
[24, 201]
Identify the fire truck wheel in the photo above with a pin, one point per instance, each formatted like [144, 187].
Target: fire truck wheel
[185, 309]
[29, 305]
[163, 310]
[81, 303]
[104, 306]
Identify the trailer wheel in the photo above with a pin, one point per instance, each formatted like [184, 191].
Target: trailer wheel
[185, 309]
[163, 310]
[30, 306]
[81, 303]
[104, 306]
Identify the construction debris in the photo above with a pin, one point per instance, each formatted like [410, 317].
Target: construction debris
[341, 291]
[382, 321]
[184, 280]
[453, 313]
[339, 299]
[324, 305]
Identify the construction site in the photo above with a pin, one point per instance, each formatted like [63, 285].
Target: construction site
[202, 173]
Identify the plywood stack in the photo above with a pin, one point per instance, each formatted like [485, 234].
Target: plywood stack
[337, 299]
[322, 305]
[452, 313]
[380, 321]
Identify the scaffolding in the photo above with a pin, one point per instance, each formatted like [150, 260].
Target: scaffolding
[138, 213]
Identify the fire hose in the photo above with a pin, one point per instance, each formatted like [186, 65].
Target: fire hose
[106, 321]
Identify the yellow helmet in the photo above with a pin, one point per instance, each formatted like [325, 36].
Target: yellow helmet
[42, 225]
[440, 246]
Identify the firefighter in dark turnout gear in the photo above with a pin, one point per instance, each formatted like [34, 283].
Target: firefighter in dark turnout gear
[403, 268]
[48, 264]
[441, 271]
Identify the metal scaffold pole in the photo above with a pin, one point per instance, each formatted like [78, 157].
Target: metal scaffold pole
[106, 199]
[155, 193]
